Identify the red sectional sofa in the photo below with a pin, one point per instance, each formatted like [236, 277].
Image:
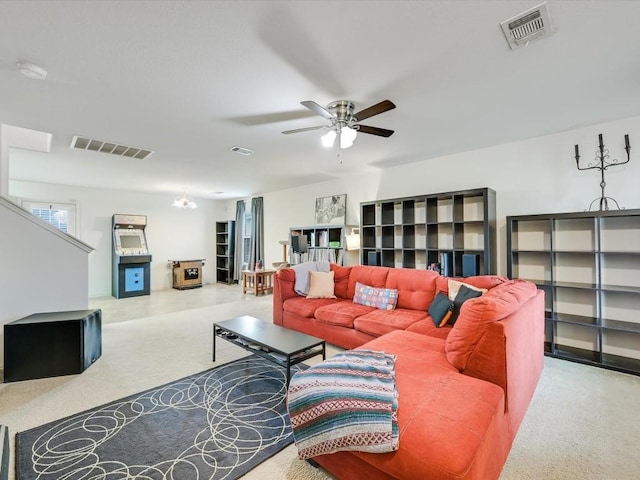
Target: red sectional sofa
[463, 390]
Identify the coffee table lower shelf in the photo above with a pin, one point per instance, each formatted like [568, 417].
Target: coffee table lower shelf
[279, 345]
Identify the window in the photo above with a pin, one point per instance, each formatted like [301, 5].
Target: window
[246, 239]
[60, 215]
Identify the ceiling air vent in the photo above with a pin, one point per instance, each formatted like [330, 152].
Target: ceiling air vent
[83, 143]
[241, 150]
[529, 25]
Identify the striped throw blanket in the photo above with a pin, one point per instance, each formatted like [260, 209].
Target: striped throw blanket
[348, 402]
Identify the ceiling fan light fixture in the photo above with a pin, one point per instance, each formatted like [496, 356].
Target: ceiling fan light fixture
[328, 138]
[347, 137]
[184, 202]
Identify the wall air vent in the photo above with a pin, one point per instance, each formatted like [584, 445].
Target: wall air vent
[241, 150]
[83, 143]
[529, 25]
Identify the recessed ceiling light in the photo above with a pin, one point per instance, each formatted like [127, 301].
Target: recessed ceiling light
[32, 71]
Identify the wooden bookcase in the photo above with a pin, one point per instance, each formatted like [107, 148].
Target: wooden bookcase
[225, 246]
[415, 232]
[322, 242]
[588, 264]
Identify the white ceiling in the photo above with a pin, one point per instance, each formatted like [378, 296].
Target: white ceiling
[191, 79]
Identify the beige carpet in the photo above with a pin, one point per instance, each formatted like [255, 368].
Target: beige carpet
[583, 423]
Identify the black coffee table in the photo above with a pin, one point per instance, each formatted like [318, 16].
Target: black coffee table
[280, 345]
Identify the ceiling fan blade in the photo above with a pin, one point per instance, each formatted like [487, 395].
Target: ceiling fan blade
[273, 117]
[381, 132]
[320, 110]
[307, 55]
[376, 109]
[306, 129]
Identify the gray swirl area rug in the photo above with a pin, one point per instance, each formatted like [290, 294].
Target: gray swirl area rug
[218, 424]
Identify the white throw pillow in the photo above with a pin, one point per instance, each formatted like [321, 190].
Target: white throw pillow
[454, 286]
[321, 285]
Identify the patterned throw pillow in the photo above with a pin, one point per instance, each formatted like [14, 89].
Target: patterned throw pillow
[382, 298]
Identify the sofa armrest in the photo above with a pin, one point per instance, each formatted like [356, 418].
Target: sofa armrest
[511, 355]
[283, 287]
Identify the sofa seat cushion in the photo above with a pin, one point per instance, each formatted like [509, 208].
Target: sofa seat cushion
[306, 307]
[444, 417]
[426, 327]
[477, 313]
[380, 322]
[341, 312]
[422, 351]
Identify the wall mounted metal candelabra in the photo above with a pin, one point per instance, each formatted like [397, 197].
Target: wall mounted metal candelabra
[602, 162]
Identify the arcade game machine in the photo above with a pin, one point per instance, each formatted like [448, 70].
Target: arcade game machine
[131, 259]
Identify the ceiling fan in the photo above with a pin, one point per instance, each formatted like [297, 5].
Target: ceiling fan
[345, 125]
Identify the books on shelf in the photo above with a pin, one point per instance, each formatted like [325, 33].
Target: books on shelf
[446, 264]
[323, 238]
[319, 254]
[325, 243]
[324, 255]
[297, 258]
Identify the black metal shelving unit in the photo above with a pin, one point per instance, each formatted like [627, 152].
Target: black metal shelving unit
[418, 231]
[225, 247]
[588, 264]
[323, 242]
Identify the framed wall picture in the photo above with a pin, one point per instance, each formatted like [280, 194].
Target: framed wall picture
[331, 210]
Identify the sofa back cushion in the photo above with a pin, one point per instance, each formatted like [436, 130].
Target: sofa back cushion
[416, 288]
[367, 275]
[478, 281]
[341, 280]
[476, 315]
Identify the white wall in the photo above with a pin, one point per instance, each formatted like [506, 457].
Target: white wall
[41, 272]
[18, 137]
[296, 208]
[532, 176]
[61, 286]
[538, 175]
[172, 233]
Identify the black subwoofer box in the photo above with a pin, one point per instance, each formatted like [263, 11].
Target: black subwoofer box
[470, 265]
[373, 258]
[52, 344]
